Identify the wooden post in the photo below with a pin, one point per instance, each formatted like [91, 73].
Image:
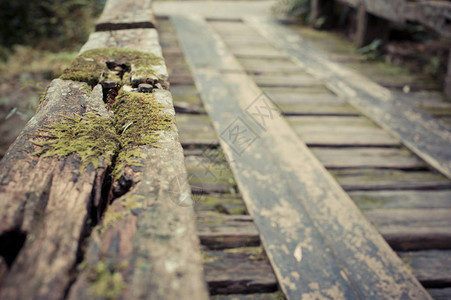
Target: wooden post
[370, 27]
[447, 87]
[319, 9]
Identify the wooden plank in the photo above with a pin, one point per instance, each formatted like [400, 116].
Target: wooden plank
[440, 294]
[195, 129]
[147, 239]
[218, 231]
[146, 244]
[306, 221]
[46, 202]
[402, 199]
[222, 203]
[236, 272]
[413, 229]
[286, 81]
[128, 14]
[383, 158]
[374, 179]
[430, 267]
[425, 136]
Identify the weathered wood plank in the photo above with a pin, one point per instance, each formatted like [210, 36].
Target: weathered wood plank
[222, 203]
[238, 272]
[425, 136]
[383, 158]
[46, 204]
[430, 267]
[339, 131]
[195, 129]
[374, 179]
[145, 40]
[402, 199]
[126, 14]
[440, 294]
[286, 81]
[413, 229]
[147, 238]
[218, 231]
[306, 221]
[277, 295]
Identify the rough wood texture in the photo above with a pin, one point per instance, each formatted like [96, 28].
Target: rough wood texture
[308, 225]
[155, 236]
[223, 231]
[430, 267]
[402, 199]
[384, 158]
[413, 229]
[145, 40]
[235, 272]
[374, 179]
[422, 134]
[126, 14]
[46, 204]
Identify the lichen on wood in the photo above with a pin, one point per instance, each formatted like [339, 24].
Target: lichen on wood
[111, 64]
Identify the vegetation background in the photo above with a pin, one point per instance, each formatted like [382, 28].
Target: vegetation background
[38, 39]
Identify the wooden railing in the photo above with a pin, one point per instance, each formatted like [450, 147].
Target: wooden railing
[373, 17]
[93, 193]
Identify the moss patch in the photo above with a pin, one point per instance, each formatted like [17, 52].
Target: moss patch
[105, 282]
[137, 119]
[92, 137]
[91, 66]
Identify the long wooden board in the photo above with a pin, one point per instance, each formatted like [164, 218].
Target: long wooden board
[425, 136]
[318, 242]
[126, 14]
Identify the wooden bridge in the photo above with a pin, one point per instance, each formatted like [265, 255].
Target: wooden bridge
[298, 178]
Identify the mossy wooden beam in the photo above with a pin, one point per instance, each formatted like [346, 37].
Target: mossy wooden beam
[139, 40]
[46, 203]
[126, 14]
[145, 236]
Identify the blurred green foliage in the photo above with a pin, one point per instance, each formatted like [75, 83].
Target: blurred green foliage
[46, 24]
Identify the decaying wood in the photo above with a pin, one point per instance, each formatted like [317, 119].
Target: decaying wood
[126, 14]
[48, 200]
[305, 220]
[227, 231]
[157, 236]
[430, 267]
[413, 229]
[235, 272]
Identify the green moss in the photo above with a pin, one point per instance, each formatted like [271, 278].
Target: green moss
[105, 282]
[131, 202]
[136, 122]
[110, 218]
[137, 119]
[208, 258]
[91, 67]
[255, 253]
[92, 137]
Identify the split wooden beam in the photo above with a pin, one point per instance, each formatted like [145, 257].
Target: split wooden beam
[318, 242]
[75, 230]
